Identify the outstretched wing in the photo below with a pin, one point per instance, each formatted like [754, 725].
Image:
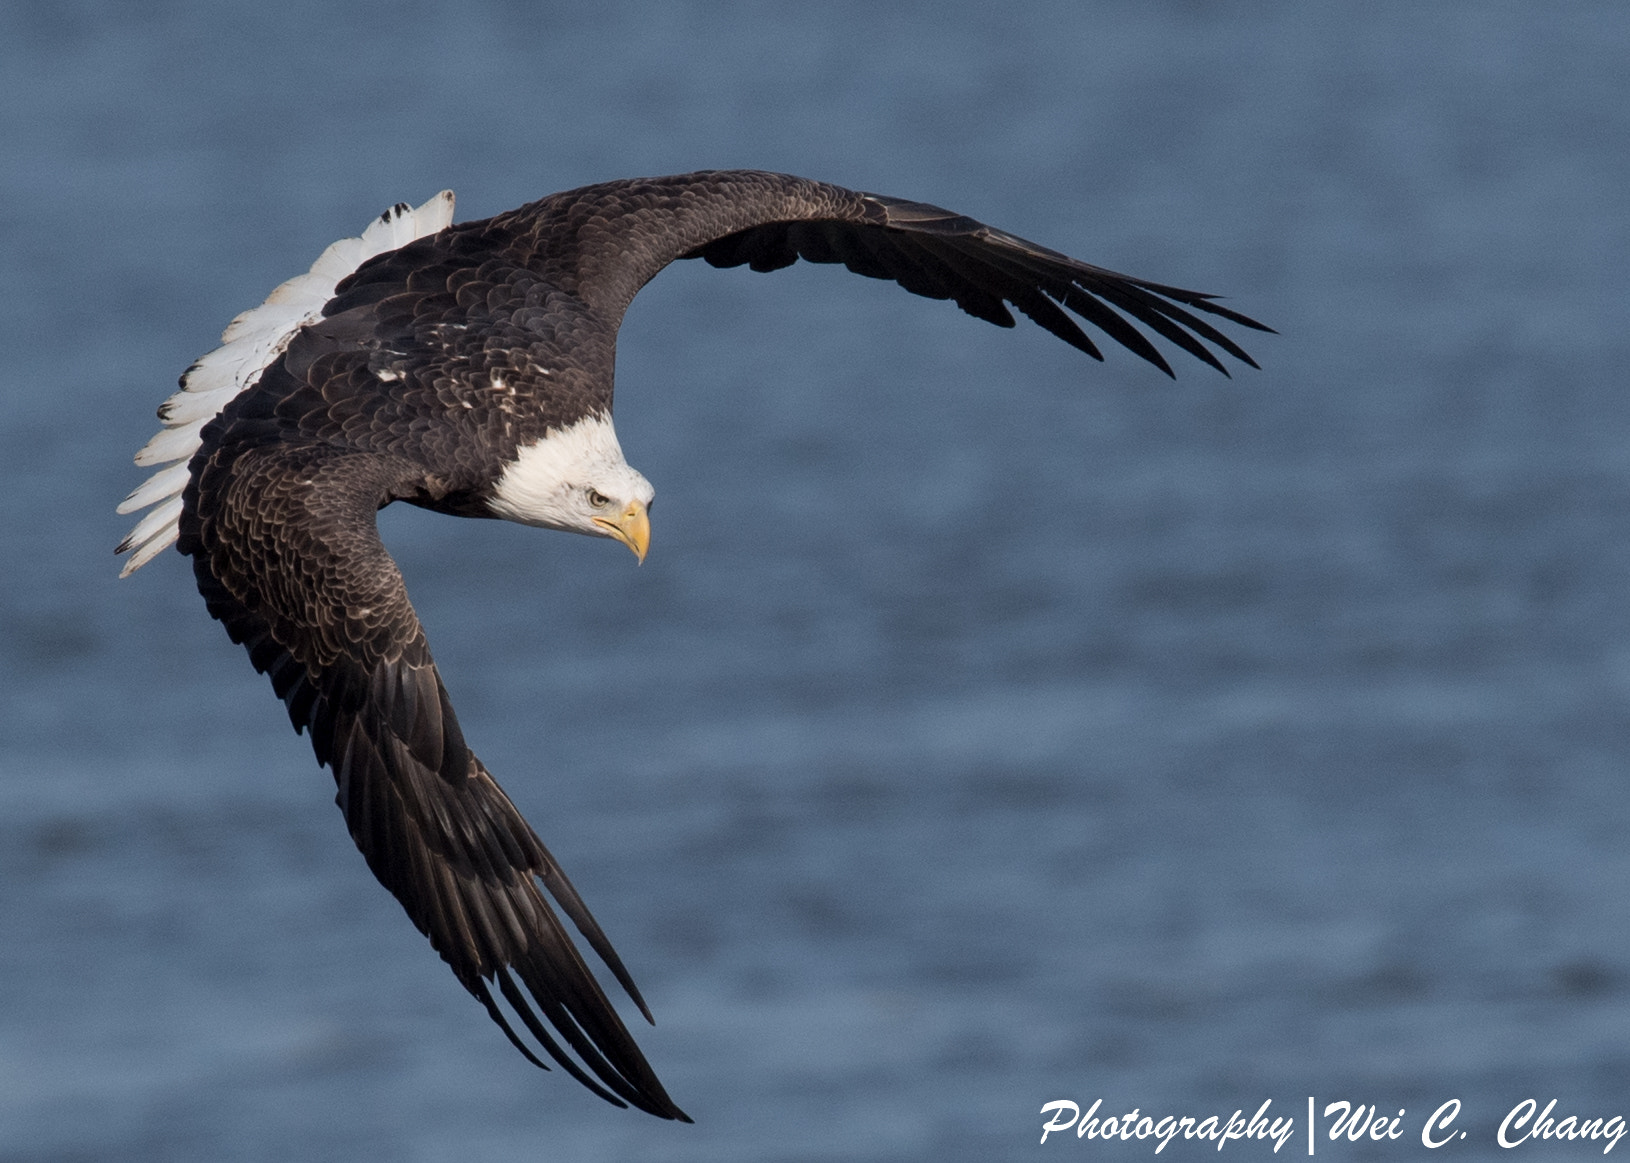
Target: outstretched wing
[942, 255]
[287, 554]
[628, 231]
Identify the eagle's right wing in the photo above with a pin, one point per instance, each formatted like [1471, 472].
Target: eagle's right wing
[288, 556]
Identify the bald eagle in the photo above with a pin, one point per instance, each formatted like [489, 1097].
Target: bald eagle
[468, 369]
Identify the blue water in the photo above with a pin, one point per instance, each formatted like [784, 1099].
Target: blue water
[991, 726]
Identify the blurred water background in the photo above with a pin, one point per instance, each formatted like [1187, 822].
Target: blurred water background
[992, 726]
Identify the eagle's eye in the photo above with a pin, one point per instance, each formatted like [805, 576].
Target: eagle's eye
[598, 499]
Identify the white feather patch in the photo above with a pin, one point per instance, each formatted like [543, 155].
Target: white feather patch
[249, 345]
[544, 484]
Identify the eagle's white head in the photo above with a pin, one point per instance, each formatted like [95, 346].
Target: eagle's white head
[575, 479]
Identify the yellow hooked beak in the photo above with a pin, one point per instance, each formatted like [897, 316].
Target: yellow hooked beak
[632, 527]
